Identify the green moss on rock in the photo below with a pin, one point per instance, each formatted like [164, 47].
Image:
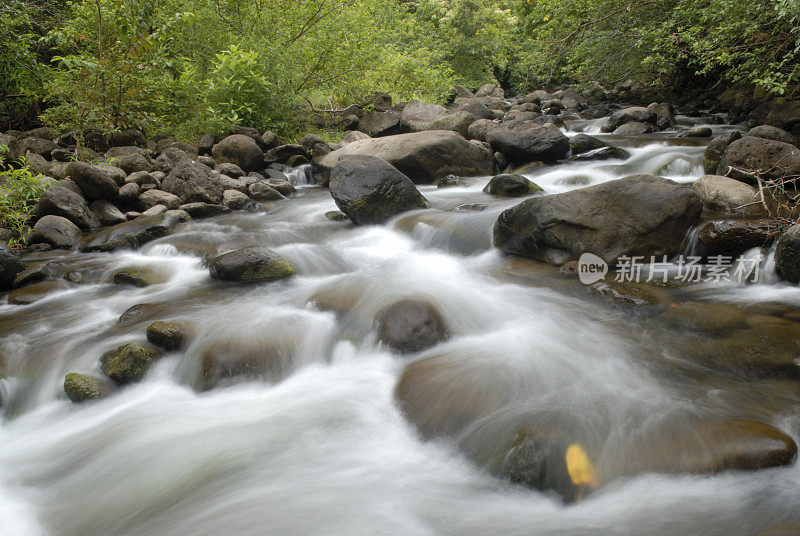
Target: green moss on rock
[126, 364]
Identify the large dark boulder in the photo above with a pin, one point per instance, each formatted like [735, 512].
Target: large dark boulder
[637, 215]
[522, 142]
[252, 264]
[422, 156]
[734, 237]
[241, 150]
[60, 201]
[131, 234]
[769, 132]
[370, 191]
[714, 151]
[787, 255]
[10, 267]
[57, 231]
[636, 114]
[94, 182]
[749, 157]
[410, 326]
[192, 181]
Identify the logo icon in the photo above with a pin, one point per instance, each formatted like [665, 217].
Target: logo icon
[591, 268]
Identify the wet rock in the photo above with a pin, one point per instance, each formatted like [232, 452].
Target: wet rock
[140, 313]
[229, 360]
[705, 316]
[766, 158]
[713, 153]
[418, 116]
[59, 201]
[371, 191]
[335, 215]
[423, 156]
[410, 326]
[131, 234]
[35, 292]
[450, 180]
[583, 144]
[94, 182]
[250, 264]
[57, 231]
[509, 185]
[240, 150]
[787, 255]
[170, 336]
[204, 210]
[727, 194]
[634, 128]
[523, 141]
[627, 293]
[280, 182]
[126, 364]
[636, 215]
[137, 277]
[734, 237]
[665, 114]
[192, 181]
[696, 132]
[107, 213]
[10, 267]
[469, 207]
[81, 388]
[768, 132]
[635, 114]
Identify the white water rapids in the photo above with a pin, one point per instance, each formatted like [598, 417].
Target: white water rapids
[326, 450]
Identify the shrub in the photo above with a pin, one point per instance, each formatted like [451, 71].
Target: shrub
[20, 190]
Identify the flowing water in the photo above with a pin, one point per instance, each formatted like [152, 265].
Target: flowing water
[320, 446]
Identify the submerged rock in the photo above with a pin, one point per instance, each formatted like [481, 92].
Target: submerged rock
[410, 326]
[230, 360]
[250, 264]
[126, 364]
[137, 277]
[35, 292]
[371, 191]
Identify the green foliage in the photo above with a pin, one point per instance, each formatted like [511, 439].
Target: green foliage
[20, 190]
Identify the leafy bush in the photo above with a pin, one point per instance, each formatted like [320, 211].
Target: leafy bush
[20, 190]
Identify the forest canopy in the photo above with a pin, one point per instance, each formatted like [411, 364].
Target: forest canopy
[192, 66]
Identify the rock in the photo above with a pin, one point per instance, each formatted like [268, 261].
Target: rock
[636, 114]
[727, 194]
[418, 116]
[204, 210]
[35, 292]
[509, 185]
[10, 267]
[60, 201]
[371, 191]
[378, 124]
[94, 182]
[410, 326]
[787, 255]
[696, 132]
[665, 114]
[194, 182]
[522, 142]
[206, 144]
[57, 231]
[705, 316]
[151, 198]
[713, 153]
[136, 277]
[80, 388]
[335, 215]
[297, 160]
[24, 147]
[235, 200]
[128, 194]
[459, 91]
[280, 182]
[768, 132]
[168, 335]
[455, 121]
[107, 213]
[634, 128]
[231, 170]
[126, 137]
[636, 215]
[354, 135]
[422, 156]
[242, 358]
[126, 364]
[475, 108]
[583, 144]
[283, 153]
[490, 90]
[155, 210]
[769, 159]
[469, 207]
[786, 116]
[141, 178]
[132, 163]
[240, 150]
[131, 234]
[480, 129]
[263, 191]
[250, 264]
[140, 313]
[269, 140]
[450, 180]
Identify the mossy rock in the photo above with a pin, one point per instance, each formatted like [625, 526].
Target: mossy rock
[168, 335]
[137, 277]
[126, 364]
[80, 388]
[250, 265]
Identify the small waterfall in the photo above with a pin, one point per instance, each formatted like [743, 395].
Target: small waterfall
[301, 176]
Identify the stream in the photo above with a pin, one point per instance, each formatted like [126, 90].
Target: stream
[320, 446]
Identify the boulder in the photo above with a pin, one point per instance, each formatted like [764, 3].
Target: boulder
[170, 336]
[194, 182]
[107, 213]
[636, 114]
[57, 231]
[510, 185]
[422, 156]
[250, 264]
[696, 132]
[749, 156]
[636, 215]
[94, 182]
[241, 150]
[713, 153]
[22, 148]
[378, 124]
[81, 388]
[787, 255]
[151, 198]
[126, 138]
[60, 201]
[480, 129]
[727, 194]
[734, 237]
[410, 326]
[131, 234]
[204, 210]
[665, 114]
[228, 360]
[263, 191]
[523, 142]
[455, 121]
[132, 163]
[282, 153]
[418, 116]
[634, 128]
[583, 144]
[126, 364]
[490, 90]
[769, 132]
[10, 267]
[128, 194]
[141, 276]
[141, 178]
[474, 107]
[370, 191]
[785, 116]
[235, 200]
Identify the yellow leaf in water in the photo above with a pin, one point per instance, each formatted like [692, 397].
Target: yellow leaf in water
[579, 467]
